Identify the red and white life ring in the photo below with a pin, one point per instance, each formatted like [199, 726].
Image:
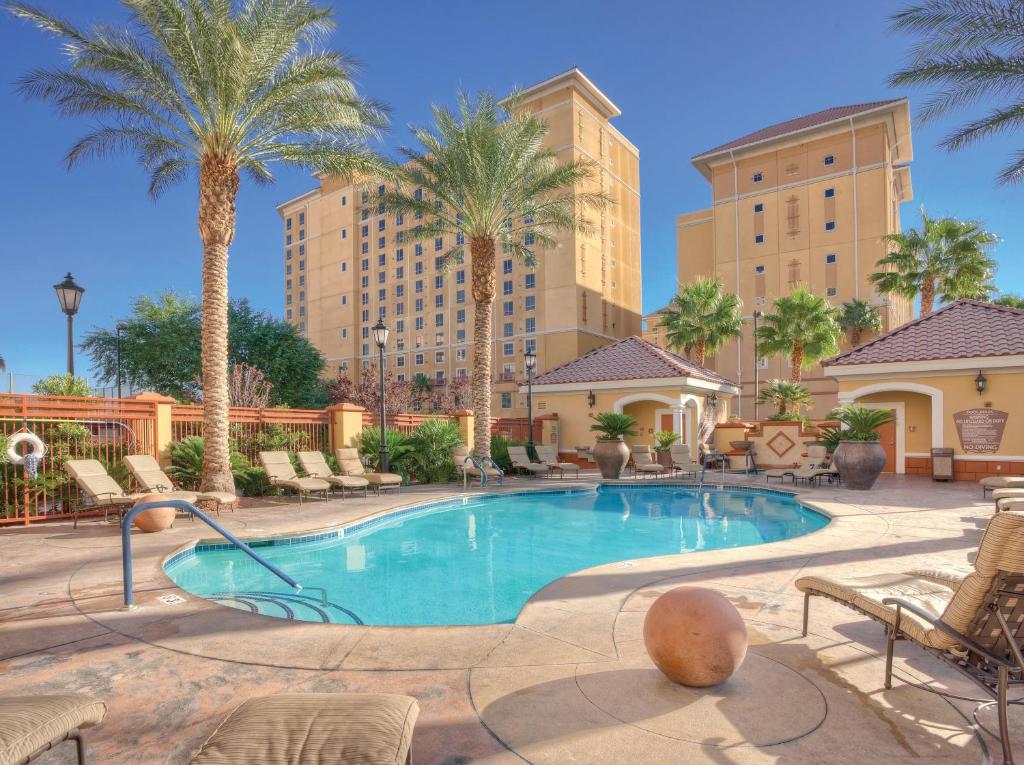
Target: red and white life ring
[14, 455]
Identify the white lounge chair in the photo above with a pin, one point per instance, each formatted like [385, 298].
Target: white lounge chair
[352, 466]
[471, 469]
[644, 463]
[281, 473]
[521, 461]
[314, 464]
[549, 457]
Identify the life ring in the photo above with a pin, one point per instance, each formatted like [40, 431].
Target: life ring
[15, 457]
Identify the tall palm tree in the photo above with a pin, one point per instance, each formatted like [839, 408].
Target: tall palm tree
[857, 317]
[803, 326]
[947, 259]
[202, 87]
[701, 317]
[970, 51]
[488, 182]
[785, 396]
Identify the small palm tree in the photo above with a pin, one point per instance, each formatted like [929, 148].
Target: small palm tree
[204, 88]
[970, 51]
[803, 327]
[1010, 301]
[786, 396]
[857, 317]
[702, 318]
[487, 182]
[947, 259]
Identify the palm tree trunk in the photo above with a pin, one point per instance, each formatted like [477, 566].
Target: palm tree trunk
[854, 336]
[218, 188]
[699, 351]
[481, 249]
[927, 295]
[797, 360]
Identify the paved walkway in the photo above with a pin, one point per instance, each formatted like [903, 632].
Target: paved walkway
[569, 682]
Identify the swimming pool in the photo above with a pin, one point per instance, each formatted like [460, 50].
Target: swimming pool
[477, 560]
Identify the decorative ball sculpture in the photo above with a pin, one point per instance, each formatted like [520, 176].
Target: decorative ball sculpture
[156, 519]
[695, 636]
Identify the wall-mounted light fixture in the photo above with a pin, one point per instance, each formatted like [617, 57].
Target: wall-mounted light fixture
[713, 400]
[591, 399]
[980, 382]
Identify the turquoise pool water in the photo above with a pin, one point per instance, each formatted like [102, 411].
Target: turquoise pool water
[478, 560]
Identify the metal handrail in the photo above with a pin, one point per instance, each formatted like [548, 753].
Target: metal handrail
[496, 466]
[187, 507]
[465, 476]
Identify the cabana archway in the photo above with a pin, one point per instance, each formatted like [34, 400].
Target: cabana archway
[657, 412]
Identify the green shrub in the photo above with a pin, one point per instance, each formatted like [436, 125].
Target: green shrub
[400, 452]
[612, 425]
[432, 443]
[499, 450]
[861, 423]
[62, 385]
[664, 440]
[187, 468]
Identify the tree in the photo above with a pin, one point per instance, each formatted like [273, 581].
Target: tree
[249, 387]
[803, 327]
[786, 396]
[62, 385]
[947, 260]
[488, 182]
[160, 351]
[970, 50]
[701, 317]
[217, 89]
[366, 393]
[856, 317]
[1010, 301]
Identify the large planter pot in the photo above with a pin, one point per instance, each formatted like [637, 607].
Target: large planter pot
[665, 459]
[611, 457]
[859, 463]
[157, 519]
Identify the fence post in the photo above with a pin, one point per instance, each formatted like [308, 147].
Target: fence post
[464, 419]
[163, 431]
[344, 425]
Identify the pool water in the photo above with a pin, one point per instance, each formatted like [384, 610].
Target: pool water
[477, 560]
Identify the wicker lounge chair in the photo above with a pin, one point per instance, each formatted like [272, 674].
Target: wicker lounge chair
[521, 461]
[351, 466]
[682, 462]
[32, 725]
[280, 472]
[314, 464]
[643, 462]
[315, 729]
[973, 620]
[549, 456]
[471, 468]
[100, 489]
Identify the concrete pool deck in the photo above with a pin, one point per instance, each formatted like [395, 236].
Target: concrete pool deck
[569, 682]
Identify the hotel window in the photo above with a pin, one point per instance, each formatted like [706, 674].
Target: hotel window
[829, 193]
[365, 248]
[506, 400]
[302, 310]
[366, 298]
[288, 224]
[288, 284]
[399, 219]
[460, 316]
[438, 263]
[507, 329]
[399, 254]
[829, 159]
[530, 281]
[344, 266]
[365, 265]
[380, 242]
[381, 277]
[344, 233]
[344, 299]
[530, 344]
[289, 313]
[438, 244]
[460, 336]
[508, 349]
[383, 312]
[438, 357]
[419, 286]
[302, 265]
[438, 319]
[830, 225]
[830, 258]
[759, 239]
[419, 324]
[762, 362]
[506, 287]
[302, 326]
[302, 294]
[460, 354]
[382, 259]
[400, 328]
[758, 207]
[419, 304]
[302, 250]
[400, 361]
[438, 282]
[419, 194]
[380, 225]
[364, 214]
[366, 197]
[418, 250]
[830, 292]
[366, 315]
[288, 268]
[365, 231]
[506, 308]
[288, 255]
[528, 239]
[344, 200]
[418, 268]
[366, 333]
[366, 282]
[380, 190]
[400, 290]
[506, 266]
[344, 332]
[399, 309]
[460, 296]
[288, 299]
[438, 301]
[302, 234]
[382, 294]
[460, 277]
[400, 272]
[460, 239]
[757, 177]
[380, 209]
[302, 219]
[302, 280]
[531, 325]
[366, 349]
[530, 303]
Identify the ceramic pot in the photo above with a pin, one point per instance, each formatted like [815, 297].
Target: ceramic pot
[611, 456]
[665, 458]
[859, 463]
[157, 519]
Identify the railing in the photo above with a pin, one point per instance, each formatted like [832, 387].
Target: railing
[517, 428]
[255, 430]
[404, 422]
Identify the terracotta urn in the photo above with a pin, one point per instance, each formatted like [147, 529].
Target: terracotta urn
[859, 463]
[156, 519]
[611, 456]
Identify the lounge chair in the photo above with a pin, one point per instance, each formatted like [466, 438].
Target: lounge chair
[281, 473]
[100, 489]
[471, 468]
[682, 462]
[351, 466]
[32, 725]
[643, 462]
[816, 473]
[314, 464]
[521, 461]
[993, 482]
[973, 621]
[549, 457]
[151, 478]
[781, 473]
[1004, 497]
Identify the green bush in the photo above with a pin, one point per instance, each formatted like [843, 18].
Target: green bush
[400, 451]
[187, 468]
[499, 450]
[432, 443]
[861, 423]
[62, 385]
[613, 425]
[664, 440]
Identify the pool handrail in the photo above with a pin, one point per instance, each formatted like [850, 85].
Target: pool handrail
[187, 507]
[501, 473]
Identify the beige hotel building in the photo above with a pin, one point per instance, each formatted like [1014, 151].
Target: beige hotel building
[347, 264]
[805, 202]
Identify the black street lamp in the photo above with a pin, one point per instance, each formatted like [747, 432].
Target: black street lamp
[118, 329]
[757, 365]
[380, 337]
[531, 364]
[70, 296]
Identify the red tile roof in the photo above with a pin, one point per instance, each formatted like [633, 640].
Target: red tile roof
[632, 358]
[961, 330]
[797, 124]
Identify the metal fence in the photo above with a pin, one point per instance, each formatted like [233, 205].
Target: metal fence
[255, 430]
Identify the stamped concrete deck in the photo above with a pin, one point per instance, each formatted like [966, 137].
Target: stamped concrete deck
[569, 682]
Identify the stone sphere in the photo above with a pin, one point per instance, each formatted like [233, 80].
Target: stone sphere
[156, 519]
[695, 636]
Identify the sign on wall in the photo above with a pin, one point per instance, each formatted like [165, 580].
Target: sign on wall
[980, 430]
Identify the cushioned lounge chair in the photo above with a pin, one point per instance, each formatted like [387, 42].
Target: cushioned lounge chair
[816, 473]
[151, 478]
[781, 473]
[993, 482]
[281, 473]
[99, 488]
[472, 469]
[972, 619]
[549, 457]
[643, 462]
[682, 462]
[352, 467]
[32, 725]
[314, 464]
[521, 461]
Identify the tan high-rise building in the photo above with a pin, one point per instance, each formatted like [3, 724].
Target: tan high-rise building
[802, 203]
[346, 265]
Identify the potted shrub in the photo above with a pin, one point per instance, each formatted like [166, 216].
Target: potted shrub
[859, 455]
[663, 442]
[610, 451]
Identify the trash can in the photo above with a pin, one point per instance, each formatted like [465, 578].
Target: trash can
[942, 464]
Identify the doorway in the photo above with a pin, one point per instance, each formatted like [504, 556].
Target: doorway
[887, 436]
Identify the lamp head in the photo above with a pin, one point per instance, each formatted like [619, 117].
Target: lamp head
[69, 294]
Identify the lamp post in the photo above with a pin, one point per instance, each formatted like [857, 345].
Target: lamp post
[118, 329]
[380, 337]
[531, 364]
[70, 296]
[757, 365]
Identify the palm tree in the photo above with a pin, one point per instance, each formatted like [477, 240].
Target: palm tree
[856, 317]
[803, 327]
[1010, 301]
[701, 317]
[970, 51]
[485, 182]
[201, 88]
[947, 260]
[784, 394]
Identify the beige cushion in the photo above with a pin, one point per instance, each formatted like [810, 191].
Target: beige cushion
[564, 466]
[148, 473]
[28, 723]
[383, 479]
[1003, 481]
[92, 478]
[347, 482]
[315, 729]
[220, 497]
[651, 468]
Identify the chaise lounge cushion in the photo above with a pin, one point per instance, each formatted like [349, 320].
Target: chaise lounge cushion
[29, 723]
[315, 729]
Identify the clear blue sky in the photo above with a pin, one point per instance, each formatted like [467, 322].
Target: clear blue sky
[687, 76]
